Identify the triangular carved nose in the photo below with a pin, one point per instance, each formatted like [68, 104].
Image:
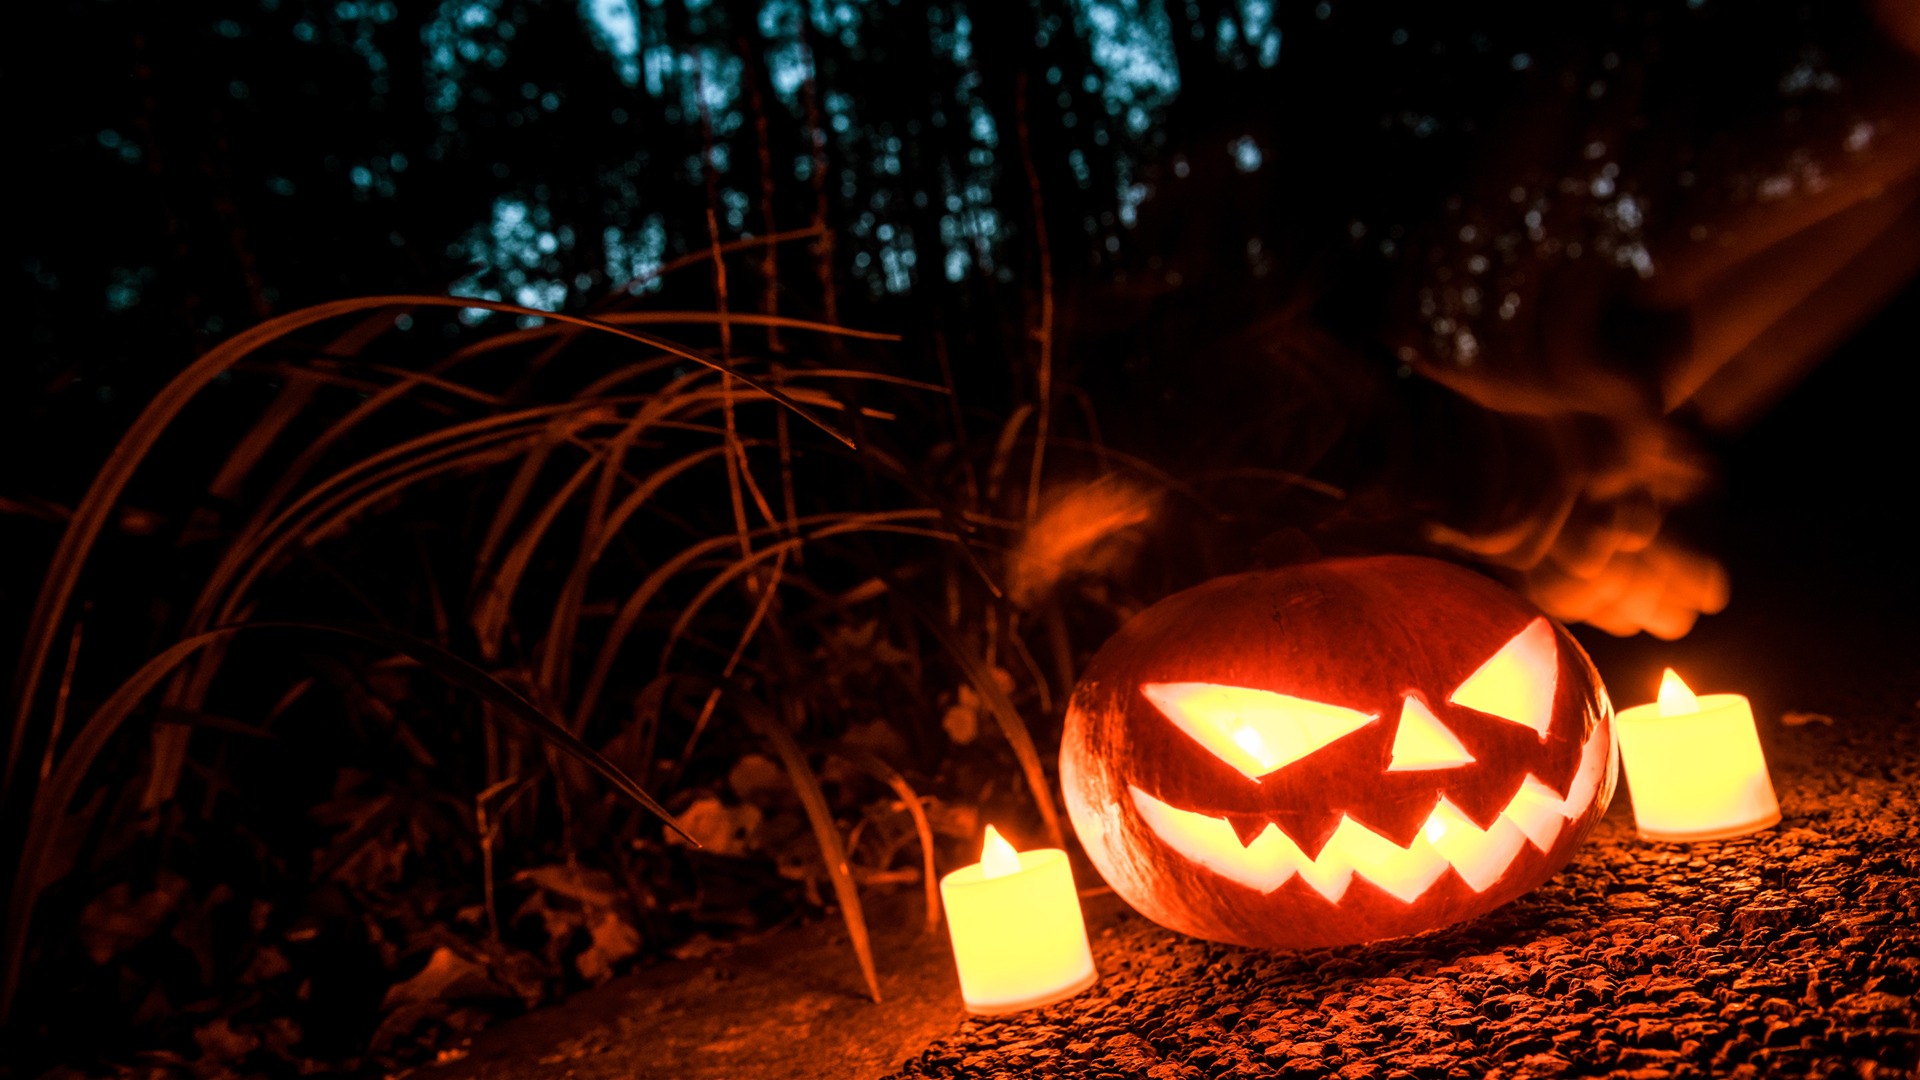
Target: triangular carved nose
[1423, 742]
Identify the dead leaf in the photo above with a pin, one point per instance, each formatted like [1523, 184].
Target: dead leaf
[447, 976]
[116, 920]
[402, 1022]
[268, 963]
[879, 738]
[958, 821]
[557, 923]
[280, 1035]
[614, 940]
[719, 828]
[757, 779]
[220, 1042]
[593, 888]
[697, 946]
[961, 721]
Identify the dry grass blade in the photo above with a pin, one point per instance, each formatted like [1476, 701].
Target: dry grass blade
[518, 491]
[189, 692]
[1043, 334]
[648, 340]
[310, 519]
[495, 601]
[670, 318]
[1280, 477]
[629, 614]
[265, 537]
[1011, 724]
[958, 523]
[857, 375]
[825, 830]
[91, 513]
[684, 261]
[497, 694]
[746, 563]
[311, 455]
[871, 763]
[637, 601]
[50, 803]
[1003, 450]
[600, 531]
[292, 399]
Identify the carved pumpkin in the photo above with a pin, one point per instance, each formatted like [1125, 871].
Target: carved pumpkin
[1335, 752]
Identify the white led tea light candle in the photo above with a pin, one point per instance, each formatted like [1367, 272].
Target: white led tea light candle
[1694, 766]
[1019, 940]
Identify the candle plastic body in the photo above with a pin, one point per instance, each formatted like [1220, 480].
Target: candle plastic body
[1018, 940]
[1696, 775]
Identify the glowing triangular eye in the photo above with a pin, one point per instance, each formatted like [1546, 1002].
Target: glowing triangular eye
[1423, 742]
[1517, 683]
[1255, 731]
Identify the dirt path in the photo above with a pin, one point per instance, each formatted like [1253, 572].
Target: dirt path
[790, 1005]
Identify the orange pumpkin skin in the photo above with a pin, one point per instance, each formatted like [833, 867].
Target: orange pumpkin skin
[1369, 635]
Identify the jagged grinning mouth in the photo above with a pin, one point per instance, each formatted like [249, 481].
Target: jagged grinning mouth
[1449, 838]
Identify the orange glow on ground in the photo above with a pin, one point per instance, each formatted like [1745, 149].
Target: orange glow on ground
[1517, 683]
[1255, 731]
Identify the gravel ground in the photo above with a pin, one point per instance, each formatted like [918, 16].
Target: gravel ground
[1793, 952]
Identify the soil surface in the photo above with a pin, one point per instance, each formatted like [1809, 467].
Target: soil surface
[1795, 951]
[791, 1004]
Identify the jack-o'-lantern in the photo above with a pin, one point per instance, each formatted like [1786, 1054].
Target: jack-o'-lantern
[1335, 752]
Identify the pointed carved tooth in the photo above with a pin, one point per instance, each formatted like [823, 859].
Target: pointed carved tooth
[1265, 864]
[1310, 830]
[1329, 877]
[1248, 827]
[1537, 812]
[1404, 872]
[1479, 855]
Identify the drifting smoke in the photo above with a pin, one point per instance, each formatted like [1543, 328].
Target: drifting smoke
[1084, 529]
[1617, 282]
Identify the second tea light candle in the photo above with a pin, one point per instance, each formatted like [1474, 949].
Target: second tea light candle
[1019, 940]
[1694, 766]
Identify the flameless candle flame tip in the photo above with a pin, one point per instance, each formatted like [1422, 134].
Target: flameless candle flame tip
[1676, 698]
[997, 857]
